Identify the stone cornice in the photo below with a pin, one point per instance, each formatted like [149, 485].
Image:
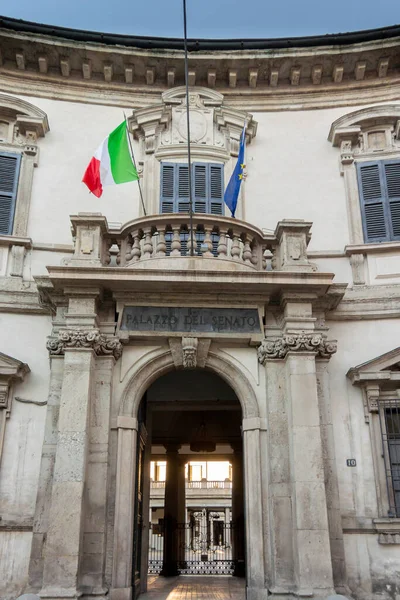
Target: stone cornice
[79, 338]
[271, 78]
[298, 342]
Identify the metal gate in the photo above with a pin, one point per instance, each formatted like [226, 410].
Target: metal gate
[204, 545]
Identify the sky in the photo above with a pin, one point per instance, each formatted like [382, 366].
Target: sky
[209, 18]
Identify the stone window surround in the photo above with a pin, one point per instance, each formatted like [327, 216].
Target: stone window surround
[350, 133]
[11, 370]
[27, 124]
[149, 124]
[377, 381]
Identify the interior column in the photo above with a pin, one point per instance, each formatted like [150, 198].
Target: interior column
[171, 511]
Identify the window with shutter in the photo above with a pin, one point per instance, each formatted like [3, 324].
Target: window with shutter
[207, 188]
[379, 187]
[9, 173]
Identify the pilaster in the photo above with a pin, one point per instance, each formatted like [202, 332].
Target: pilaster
[255, 571]
[124, 509]
[43, 499]
[82, 433]
[305, 568]
[65, 533]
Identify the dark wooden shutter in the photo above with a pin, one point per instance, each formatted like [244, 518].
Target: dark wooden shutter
[167, 187]
[379, 185]
[216, 189]
[200, 187]
[372, 197]
[207, 186]
[392, 176]
[183, 204]
[9, 172]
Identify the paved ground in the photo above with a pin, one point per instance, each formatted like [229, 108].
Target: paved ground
[202, 587]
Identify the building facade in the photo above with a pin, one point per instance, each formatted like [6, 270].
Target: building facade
[130, 332]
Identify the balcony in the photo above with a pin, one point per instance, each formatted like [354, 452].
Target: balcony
[165, 242]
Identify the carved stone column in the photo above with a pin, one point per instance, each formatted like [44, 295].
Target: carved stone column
[63, 551]
[311, 567]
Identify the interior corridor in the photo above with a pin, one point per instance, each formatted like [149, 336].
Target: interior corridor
[201, 587]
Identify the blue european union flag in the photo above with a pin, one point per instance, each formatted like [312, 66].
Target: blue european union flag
[233, 187]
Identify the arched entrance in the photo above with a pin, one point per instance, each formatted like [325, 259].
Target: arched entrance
[131, 456]
[190, 482]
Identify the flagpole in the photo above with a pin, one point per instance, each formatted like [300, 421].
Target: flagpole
[188, 131]
[134, 163]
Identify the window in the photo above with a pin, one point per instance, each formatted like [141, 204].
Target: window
[389, 417]
[379, 187]
[207, 188]
[9, 172]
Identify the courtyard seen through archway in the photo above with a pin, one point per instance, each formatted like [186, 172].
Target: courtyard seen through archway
[189, 513]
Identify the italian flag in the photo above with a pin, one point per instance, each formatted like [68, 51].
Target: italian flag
[112, 162]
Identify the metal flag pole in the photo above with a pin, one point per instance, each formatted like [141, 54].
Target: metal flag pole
[188, 132]
[134, 164]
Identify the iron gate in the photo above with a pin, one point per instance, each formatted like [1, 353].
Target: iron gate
[204, 545]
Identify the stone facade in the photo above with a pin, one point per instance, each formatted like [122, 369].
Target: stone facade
[315, 370]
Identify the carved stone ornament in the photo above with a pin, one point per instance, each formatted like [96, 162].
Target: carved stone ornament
[78, 338]
[301, 342]
[189, 352]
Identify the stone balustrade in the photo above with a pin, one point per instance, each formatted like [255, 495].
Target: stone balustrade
[147, 242]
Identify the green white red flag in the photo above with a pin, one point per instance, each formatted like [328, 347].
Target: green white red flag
[112, 162]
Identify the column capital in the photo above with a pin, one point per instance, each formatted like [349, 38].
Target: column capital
[296, 342]
[172, 448]
[84, 338]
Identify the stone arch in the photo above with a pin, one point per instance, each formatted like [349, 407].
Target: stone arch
[141, 379]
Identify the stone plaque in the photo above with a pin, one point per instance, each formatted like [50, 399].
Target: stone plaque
[191, 320]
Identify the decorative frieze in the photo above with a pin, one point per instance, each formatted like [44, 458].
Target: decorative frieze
[301, 342]
[79, 338]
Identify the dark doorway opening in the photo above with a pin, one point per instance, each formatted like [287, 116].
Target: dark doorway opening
[190, 517]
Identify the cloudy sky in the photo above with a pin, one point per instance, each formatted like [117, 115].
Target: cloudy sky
[210, 18]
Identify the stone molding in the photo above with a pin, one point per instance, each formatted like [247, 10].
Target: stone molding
[388, 530]
[298, 342]
[80, 338]
[107, 72]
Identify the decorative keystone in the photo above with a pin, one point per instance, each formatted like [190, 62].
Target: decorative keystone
[79, 338]
[302, 342]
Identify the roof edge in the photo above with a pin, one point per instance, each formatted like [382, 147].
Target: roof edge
[200, 44]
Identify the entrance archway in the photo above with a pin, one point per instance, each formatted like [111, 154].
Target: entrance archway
[140, 380]
[194, 496]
